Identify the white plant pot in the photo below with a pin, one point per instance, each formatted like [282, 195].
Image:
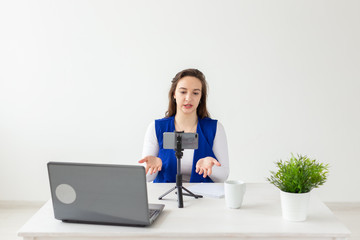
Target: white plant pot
[294, 206]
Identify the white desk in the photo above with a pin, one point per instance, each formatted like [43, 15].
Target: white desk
[207, 218]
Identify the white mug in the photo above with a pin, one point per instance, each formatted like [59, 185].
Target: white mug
[234, 193]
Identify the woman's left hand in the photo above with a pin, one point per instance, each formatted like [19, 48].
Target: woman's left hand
[204, 166]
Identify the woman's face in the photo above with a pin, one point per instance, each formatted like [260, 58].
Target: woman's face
[187, 95]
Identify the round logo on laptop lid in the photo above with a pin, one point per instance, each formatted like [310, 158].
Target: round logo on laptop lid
[65, 193]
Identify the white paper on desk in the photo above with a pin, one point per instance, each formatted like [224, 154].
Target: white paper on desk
[208, 189]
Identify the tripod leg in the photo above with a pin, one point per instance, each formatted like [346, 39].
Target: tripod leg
[172, 189]
[192, 194]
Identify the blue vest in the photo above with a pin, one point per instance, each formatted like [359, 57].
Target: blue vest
[206, 129]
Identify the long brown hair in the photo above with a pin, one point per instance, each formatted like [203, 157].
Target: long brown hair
[201, 109]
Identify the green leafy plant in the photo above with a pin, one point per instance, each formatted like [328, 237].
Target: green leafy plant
[299, 174]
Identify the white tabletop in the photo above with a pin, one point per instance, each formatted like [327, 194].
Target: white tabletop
[258, 218]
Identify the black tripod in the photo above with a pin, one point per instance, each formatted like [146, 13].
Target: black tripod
[179, 186]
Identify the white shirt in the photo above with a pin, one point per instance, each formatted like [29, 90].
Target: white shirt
[220, 149]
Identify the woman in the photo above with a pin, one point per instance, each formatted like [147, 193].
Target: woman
[187, 112]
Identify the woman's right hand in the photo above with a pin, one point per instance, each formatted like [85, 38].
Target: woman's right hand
[153, 164]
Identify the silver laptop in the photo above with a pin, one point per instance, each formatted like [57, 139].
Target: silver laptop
[101, 194]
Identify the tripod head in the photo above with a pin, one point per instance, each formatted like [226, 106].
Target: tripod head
[179, 150]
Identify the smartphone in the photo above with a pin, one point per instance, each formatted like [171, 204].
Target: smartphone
[188, 140]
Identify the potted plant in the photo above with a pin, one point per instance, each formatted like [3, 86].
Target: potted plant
[296, 178]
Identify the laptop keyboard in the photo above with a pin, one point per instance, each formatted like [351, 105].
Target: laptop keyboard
[152, 212]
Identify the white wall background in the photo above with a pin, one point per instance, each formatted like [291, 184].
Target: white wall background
[81, 80]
